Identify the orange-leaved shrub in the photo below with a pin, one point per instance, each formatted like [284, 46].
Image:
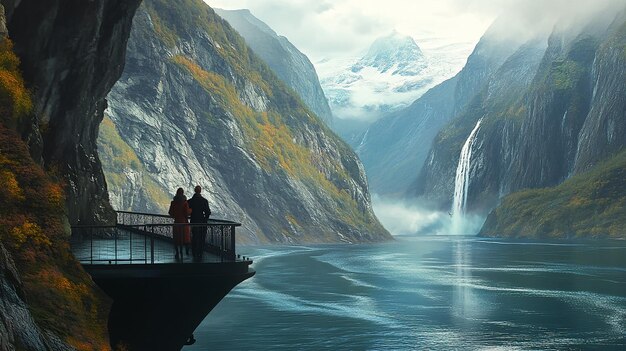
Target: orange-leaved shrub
[15, 101]
[61, 297]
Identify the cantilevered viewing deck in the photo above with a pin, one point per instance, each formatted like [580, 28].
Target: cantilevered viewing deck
[158, 300]
[143, 238]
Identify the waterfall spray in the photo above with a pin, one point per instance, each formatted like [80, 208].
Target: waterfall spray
[461, 182]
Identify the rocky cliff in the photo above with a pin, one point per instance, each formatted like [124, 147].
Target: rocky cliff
[546, 115]
[47, 302]
[587, 142]
[290, 65]
[197, 106]
[69, 53]
[72, 53]
[495, 103]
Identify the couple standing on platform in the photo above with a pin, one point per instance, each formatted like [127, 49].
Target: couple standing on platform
[180, 209]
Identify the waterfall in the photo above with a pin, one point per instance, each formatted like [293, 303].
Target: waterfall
[461, 182]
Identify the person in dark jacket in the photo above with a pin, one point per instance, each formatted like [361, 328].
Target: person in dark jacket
[179, 210]
[200, 214]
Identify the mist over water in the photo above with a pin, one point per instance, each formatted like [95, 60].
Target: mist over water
[411, 217]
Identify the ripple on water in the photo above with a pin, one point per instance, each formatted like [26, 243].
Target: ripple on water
[435, 293]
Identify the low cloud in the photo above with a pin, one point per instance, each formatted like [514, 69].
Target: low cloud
[406, 218]
[523, 20]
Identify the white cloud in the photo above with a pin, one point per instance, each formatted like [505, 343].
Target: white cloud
[339, 28]
[336, 28]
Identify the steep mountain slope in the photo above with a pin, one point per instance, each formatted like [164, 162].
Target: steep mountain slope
[537, 132]
[496, 104]
[592, 202]
[289, 64]
[198, 107]
[602, 133]
[394, 148]
[72, 68]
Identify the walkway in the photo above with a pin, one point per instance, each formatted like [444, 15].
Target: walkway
[131, 248]
[146, 239]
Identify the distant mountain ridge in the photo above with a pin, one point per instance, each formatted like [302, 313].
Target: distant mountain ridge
[292, 66]
[531, 121]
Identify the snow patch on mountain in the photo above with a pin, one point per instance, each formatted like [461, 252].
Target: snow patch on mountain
[392, 74]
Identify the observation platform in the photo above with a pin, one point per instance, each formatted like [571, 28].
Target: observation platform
[158, 300]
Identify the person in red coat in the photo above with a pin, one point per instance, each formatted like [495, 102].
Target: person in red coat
[179, 210]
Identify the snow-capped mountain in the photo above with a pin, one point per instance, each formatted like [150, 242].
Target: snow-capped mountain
[392, 74]
[395, 53]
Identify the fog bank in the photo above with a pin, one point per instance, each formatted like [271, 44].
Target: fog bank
[403, 218]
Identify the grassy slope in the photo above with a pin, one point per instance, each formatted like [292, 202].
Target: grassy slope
[61, 296]
[589, 204]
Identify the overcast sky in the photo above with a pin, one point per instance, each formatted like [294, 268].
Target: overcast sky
[344, 28]
[339, 28]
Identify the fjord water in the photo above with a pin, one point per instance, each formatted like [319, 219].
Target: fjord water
[425, 293]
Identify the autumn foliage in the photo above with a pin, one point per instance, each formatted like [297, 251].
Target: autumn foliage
[15, 102]
[33, 228]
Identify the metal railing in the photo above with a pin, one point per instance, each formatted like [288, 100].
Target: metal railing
[147, 238]
[140, 218]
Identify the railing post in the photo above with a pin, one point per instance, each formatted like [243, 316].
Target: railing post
[130, 245]
[91, 243]
[152, 245]
[205, 244]
[232, 242]
[116, 234]
[145, 245]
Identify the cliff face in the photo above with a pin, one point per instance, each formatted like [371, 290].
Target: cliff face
[17, 326]
[547, 114]
[196, 106]
[72, 53]
[588, 143]
[290, 65]
[602, 132]
[496, 104]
